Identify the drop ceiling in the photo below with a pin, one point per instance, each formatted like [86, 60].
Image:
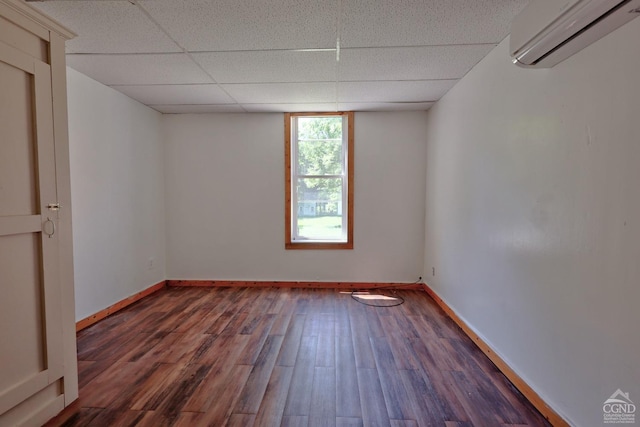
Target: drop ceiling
[197, 56]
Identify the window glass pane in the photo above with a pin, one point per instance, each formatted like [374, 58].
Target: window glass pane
[319, 208]
[320, 157]
[320, 127]
[320, 146]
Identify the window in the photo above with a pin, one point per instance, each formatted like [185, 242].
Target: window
[319, 180]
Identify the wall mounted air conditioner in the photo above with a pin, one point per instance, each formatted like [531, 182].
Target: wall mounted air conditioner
[547, 32]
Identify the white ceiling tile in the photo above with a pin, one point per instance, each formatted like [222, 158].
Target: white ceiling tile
[290, 108]
[184, 109]
[206, 25]
[108, 26]
[368, 23]
[249, 55]
[282, 93]
[394, 91]
[411, 63]
[176, 94]
[385, 106]
[139, 69]
[269, 66]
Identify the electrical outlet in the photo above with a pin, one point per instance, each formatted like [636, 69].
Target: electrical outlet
[150, 263]
[433, 271]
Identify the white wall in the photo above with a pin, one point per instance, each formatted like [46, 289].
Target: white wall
[117, 191]
[533, 218]
[225, 200]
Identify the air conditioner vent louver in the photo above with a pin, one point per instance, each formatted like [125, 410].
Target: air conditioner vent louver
[547, 32]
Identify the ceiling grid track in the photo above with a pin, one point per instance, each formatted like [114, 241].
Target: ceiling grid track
[338, 28]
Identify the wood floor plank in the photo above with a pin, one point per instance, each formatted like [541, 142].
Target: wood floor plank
[117, 417]
[235, 324]
[89, 369]
[462, 356]
[179, 309]
[395, 395]
[289, 357]
[150, 419]
[114, 385]
[205, 346]
[442, 325]
[349, 422]
[184, 348]
[361, 344]
[522, 406]
[347, 392]
[188, 419]
[425, 358]
[430, 408]
[152, 394]
[302, 304]
[75, 415]
[220, 323]
[258, 336]
[223, 347]
[282, 303]
[404, 423]
[179, 393]
[327, 324]
[275, 397]
[113, 346]
[323, 396]
[299, 397]
[165, 349]
[482, 394]
[291, 343]
[405, 327]
[477, 412]
[373, 321]
[402, 354]
[221, 380]
[145, 346]
[214, 303]
[256, 385]
[242, 420]
[374, 409]
[281, 324]
[410, 307]
[221, 399]
[199, 320]
[343, 324]
[253, 321]
[295, 421]
[435, 345]
[326, 353]
[312, 325]
[425, 329]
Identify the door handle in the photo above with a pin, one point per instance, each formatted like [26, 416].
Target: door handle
[46, 228]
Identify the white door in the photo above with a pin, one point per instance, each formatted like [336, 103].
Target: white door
[31, 347]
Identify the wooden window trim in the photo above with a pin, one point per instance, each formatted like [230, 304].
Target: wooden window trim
[287, 184]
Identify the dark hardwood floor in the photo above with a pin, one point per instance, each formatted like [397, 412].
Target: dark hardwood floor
[286, 357]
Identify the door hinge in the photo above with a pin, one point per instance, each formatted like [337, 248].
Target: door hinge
[54, 206]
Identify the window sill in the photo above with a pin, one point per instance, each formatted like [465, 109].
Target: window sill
[318, 245]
